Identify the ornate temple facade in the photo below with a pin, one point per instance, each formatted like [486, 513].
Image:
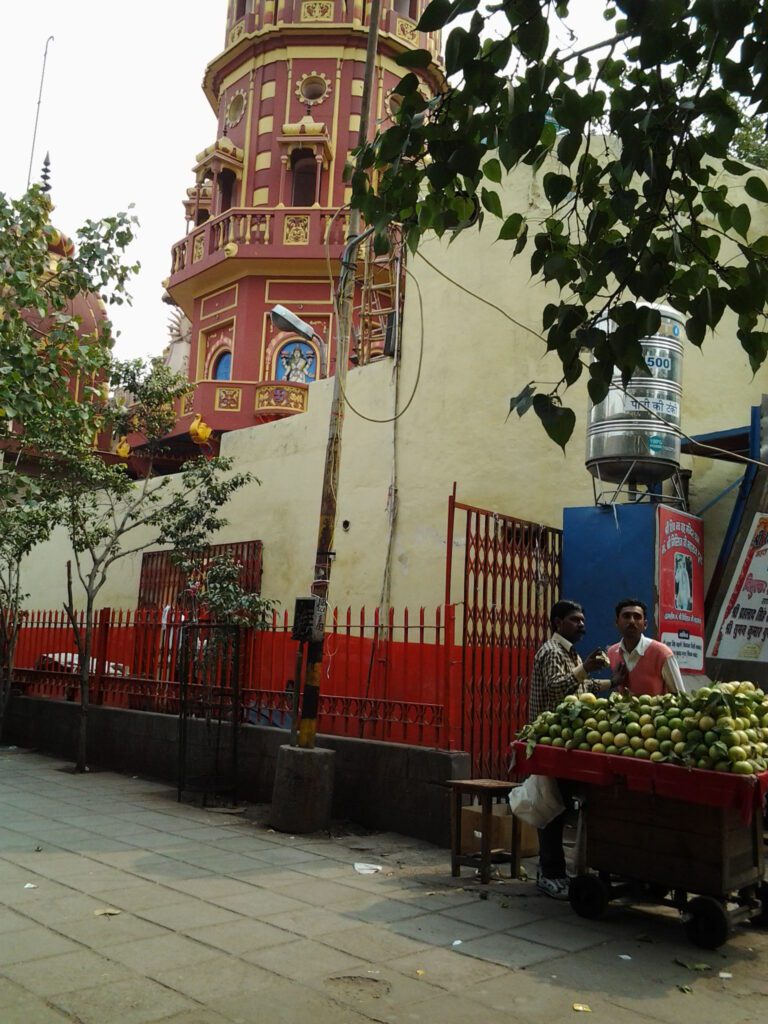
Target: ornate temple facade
[266, 215]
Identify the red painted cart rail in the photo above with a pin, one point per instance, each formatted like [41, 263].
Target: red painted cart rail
[744, 793]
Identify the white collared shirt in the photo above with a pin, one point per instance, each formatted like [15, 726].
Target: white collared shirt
[670, 670]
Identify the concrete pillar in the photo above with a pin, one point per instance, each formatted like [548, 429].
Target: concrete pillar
[303, 790]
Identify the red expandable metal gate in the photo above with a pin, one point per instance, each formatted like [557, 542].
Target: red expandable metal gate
[511, 580]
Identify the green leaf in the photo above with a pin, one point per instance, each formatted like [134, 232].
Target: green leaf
[511, 227]
[557, 187]
[492, 171]
[557, 420]
[414, 59]
[491, 202]
[734, 167]
[435, 16]
[756, 189]
[741, 218]
[460, 49]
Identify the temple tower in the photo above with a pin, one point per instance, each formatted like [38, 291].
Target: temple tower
[266, 212]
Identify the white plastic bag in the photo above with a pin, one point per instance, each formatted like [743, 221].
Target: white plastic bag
[537, 801]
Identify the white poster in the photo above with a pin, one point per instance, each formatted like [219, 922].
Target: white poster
[741, 633]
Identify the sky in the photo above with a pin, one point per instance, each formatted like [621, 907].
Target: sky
[122, 116]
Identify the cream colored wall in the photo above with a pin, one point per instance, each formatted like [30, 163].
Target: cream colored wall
[456, 429]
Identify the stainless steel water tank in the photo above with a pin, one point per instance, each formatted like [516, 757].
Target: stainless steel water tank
[624, 438]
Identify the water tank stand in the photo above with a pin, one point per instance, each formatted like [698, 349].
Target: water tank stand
[626, 491]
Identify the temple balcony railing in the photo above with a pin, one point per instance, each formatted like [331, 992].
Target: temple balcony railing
[231, 405]
[277, 233]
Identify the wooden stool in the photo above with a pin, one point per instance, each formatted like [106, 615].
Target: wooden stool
[486, 790]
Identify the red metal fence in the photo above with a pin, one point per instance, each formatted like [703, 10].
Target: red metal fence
[161, 582]
[385, 678]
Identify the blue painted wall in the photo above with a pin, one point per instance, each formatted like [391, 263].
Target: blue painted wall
[609, 553]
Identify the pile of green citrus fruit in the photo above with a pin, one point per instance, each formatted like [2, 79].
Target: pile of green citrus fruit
[721, 728]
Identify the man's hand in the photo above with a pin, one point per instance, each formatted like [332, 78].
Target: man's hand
[596, 660]
[620, 678]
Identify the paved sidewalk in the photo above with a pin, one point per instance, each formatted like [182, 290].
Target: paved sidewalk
[222, 920]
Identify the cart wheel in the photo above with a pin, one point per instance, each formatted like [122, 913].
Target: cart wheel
[588, 895]
[707, 923]
[762, 895]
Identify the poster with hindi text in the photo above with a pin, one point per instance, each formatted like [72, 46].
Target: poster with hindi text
[680, 580]
[741, 631]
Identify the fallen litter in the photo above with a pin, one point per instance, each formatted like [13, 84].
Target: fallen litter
[367, 869]
[420, 972]
[725, 974]
[456, 942]
[685, 988]
[624, 956]
[582, 1008]
[30, 885]
[106, 912]
[693, 967]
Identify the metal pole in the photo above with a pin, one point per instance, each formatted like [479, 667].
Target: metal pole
[37, 113]
[327, 524]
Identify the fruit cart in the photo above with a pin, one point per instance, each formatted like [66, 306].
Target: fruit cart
[661, 833]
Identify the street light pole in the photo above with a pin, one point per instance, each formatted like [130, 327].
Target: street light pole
[327, 523]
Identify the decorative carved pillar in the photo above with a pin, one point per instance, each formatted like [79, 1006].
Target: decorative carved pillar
[283, 169]
[318, 176]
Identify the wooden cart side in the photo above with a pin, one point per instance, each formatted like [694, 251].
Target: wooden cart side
[671, 843]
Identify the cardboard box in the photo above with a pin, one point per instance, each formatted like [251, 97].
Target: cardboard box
[501, 831]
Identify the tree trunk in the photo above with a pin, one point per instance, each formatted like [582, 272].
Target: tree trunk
[86, 635]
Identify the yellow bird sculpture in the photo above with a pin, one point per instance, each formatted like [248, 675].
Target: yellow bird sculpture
[123, 449]
[199, 431]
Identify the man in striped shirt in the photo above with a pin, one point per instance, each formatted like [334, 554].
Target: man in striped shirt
[557, 671]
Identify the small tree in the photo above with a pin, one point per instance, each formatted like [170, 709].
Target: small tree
[109, 517]
[27, 521]
[43, 347]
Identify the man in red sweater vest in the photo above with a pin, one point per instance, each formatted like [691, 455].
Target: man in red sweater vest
[640, 665]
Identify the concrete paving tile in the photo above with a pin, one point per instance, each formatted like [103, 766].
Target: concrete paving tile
[506, 950]
[196, 1017]
[219, 977]
[33, 943]
[129, 1002]
[168, 950]
[164, 867]
[22, 1007]
[202, 833]
[381, 993]
[322, 868]
[241, 936]
[374, 910]
[217, 861]
[50, 912]
[98, 878]
[270, 877]
[254, 901]
[15, 895]
[302, 959]
[559, 935]
[245, 844]
[285, 855]
[99, 932]
[12, 922]
[192, 913]
[451, 1008]
[439, 900]
[208, 887]
[317, 892]
[372, 943]
[138, 895]
[437, 929]
[288, 1003]
[311, 921]
[67, 971]
[447, 969]
[491, 915]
